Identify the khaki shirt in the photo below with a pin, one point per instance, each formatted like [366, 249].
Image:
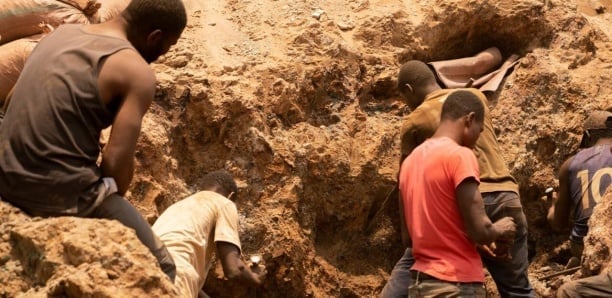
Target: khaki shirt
[423, 122]
[189, 229]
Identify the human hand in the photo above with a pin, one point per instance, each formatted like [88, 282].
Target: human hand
[259, 272]
[548, 198]
[487, 250]
[506, 228]
[495, 252]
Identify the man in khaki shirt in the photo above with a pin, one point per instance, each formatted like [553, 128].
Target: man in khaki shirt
[499, 189]
[203, 223]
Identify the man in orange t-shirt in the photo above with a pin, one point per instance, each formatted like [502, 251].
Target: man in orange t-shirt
[507, 261]
[439, 188]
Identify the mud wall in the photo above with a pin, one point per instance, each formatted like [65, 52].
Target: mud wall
[298, 100]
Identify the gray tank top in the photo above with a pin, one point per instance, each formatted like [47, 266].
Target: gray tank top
[590, 175]
[49, 139]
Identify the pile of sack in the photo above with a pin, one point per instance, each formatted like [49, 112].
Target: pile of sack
[24, 22]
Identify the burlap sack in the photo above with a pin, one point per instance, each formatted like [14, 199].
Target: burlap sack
[23, 18]
[12, 58]
[88, 7]
[109, 9]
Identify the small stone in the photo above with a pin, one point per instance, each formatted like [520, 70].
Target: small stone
[345, 26]
[317, 13]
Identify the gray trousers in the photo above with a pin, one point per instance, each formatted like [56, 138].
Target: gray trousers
[118, 208]
[594, 286]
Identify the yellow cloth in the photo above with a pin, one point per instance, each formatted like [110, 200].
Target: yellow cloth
[423, 122]
[189, 229]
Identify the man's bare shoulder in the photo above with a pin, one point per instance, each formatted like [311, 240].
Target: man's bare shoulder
[125, 72]
[130, 62]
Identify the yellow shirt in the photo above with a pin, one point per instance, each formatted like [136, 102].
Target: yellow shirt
[423, 122]
[189, 229]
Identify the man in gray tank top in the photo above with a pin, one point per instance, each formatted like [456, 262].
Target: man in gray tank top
[583, 181]
[78, 81]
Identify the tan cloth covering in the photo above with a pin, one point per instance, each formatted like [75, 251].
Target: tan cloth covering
[423, 122]
[189, 229]
[477, 71]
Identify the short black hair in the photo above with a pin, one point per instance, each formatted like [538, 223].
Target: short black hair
[416, 73]
[460, 103]
[149, 15]
[221, 180]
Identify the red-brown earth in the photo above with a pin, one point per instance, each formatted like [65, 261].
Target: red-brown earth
[305, 113]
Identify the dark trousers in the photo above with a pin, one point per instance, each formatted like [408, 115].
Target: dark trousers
[509, 276]
[118, 208]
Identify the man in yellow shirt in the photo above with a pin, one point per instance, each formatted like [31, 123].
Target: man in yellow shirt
[499, 189]
[201, 224]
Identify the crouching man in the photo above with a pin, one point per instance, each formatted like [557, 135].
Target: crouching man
[200, 225]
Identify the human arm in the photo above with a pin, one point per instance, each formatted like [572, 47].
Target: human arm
[478, 226]
[126, 77]
[559, 211]
[405, 236]
[235, 268]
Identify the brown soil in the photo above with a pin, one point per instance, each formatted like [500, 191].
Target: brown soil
[305, 113]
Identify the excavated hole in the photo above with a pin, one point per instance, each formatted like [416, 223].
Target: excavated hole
[337, 238]
[339, 226]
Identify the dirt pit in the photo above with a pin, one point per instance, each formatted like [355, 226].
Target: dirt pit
[298, 100]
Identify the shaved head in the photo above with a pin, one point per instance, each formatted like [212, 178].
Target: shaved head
[220, 181]
[460, 103]
[148, 15]
[416, 73]
[415, 81]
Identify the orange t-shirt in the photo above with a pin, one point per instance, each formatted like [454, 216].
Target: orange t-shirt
[428, 178]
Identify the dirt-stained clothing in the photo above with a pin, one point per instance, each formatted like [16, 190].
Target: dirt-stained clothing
[594, 286]
[499, 191]
[190, 228]
[422, 123]
[49, 138]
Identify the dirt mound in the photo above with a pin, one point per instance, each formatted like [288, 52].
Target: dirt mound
[73, 257]
[598, 243]
[298, 100]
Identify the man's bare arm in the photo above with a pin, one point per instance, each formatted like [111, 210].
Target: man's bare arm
[559, 212]
[478, 226]
[234, 267]
[406, 241]
[127, 77]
